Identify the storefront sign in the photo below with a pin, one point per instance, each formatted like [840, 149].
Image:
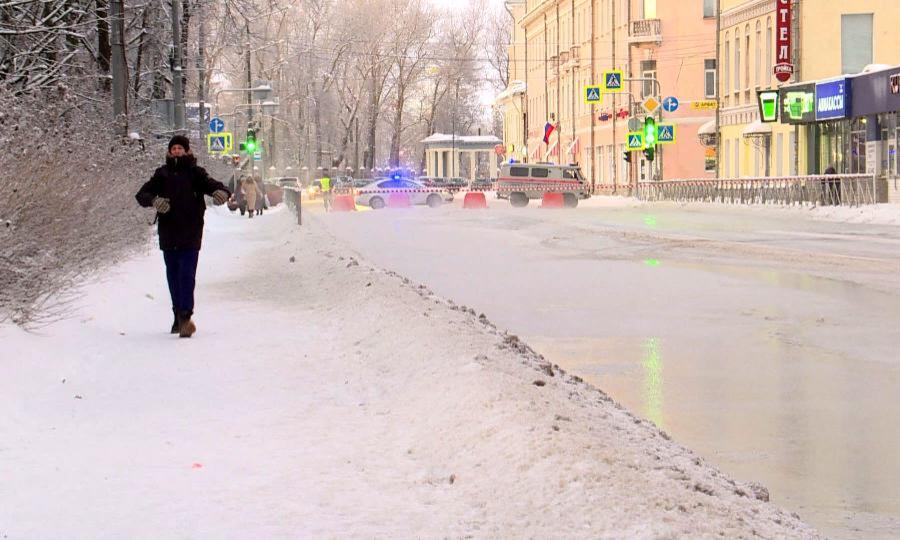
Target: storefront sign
[798, 104]
[768, 105]
[784, 68]
[833, 100]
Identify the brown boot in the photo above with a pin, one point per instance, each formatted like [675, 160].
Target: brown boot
[176, 325]
[187, 327]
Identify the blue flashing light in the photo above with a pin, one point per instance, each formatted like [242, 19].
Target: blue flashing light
[397, 177]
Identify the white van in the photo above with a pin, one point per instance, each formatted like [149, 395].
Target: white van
[521, 182]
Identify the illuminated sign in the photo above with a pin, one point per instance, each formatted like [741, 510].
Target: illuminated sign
[833, 99]
[798, 104]
[768, 105]
[784, 68]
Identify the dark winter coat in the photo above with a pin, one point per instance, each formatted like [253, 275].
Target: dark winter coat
[184, 183]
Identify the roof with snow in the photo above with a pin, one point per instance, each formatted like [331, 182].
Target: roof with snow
[467, 142]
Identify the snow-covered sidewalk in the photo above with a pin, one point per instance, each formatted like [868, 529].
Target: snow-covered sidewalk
[323, 397]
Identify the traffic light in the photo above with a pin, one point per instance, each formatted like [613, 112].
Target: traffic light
[627, 156]
[650, 133]
[250, 144]
[649, 153]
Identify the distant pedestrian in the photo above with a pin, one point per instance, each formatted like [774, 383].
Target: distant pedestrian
[326, 192]
[261, 198]
[176, 191]
[251, 192]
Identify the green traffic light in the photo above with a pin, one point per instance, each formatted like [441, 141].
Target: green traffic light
[650, 132]
[251, 146]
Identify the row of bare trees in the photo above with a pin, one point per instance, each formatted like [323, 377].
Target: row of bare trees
[359, 81]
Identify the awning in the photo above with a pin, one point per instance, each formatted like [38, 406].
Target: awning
[757, 128]
[708, 128]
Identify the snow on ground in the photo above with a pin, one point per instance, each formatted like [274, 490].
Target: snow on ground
[326, 398]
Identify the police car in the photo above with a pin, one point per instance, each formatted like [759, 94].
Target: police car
[377, 194]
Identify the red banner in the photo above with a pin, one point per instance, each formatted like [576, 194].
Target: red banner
[784, 68]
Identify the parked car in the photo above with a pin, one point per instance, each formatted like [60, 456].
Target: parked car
[377, 194]
[286, 181]
[522, 182]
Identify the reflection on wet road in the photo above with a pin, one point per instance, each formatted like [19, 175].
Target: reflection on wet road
[767, 344]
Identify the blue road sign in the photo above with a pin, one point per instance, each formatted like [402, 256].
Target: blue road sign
[216, 125]
[217, 144]
[613, 80]
[670, 104]
[592, 94]
[665, 133]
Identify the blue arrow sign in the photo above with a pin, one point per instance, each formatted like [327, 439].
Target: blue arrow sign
[216, 125]
[670, 104]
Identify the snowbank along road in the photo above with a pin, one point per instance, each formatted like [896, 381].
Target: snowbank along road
[325, 398]
[765, 339]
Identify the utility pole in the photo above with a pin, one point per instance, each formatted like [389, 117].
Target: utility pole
[453, 152]
[249, 75]
[201, 67]
[119, 69]
[177, 80]
[718, 85]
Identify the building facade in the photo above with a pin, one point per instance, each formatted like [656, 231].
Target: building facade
[832, 43]
[562, 46]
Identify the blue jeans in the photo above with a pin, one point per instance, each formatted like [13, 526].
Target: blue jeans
[181, 272]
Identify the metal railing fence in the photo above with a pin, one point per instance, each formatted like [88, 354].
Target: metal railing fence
[824, 190]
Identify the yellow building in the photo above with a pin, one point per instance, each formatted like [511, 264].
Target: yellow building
[829, 39]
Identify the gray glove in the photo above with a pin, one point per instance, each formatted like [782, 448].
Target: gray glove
[161, 204]
[220, 196]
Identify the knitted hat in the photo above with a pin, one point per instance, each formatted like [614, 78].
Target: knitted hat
[180, 140]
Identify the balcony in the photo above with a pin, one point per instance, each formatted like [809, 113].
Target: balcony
[573, 58]
[646, 31]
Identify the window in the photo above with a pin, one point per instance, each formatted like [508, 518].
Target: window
[648, 71]
[747, 57]
[649, 9]
[538, 172]
[709, 78]
[779, 155]
[770, 58]
[758, 79]
[518, 171]
[792, 152]
[856, 42]
[737, 63]
[737, 158]
[726, 158]
[726, 75]
[709, 8]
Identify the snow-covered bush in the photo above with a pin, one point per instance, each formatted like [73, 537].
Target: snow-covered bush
[67, 203]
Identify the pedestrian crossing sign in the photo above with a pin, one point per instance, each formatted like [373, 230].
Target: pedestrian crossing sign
[665, 133]
[220, 143]
[613, 81]
[592, 94]
[635, 140]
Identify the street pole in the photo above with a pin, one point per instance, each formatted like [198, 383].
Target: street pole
[177, 90]
[453, 152]
[249, 75]
[201, 65]
[119, 71]
[718, 85]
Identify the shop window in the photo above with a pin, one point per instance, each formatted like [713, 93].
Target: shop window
[856, 42]
[726, 159]
[779, 155]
